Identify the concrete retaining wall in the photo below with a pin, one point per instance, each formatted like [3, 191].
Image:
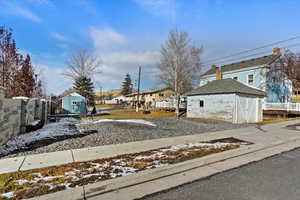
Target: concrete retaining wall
[17, 114]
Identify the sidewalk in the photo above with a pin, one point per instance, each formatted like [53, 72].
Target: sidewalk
[85, 154]
[271, 139]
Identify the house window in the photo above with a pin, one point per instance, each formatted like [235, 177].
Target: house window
[235, 78]
[150, 95]
[250, 79]
[201, 103]
[161, 95]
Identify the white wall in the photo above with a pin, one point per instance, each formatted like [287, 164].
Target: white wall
[218, 106]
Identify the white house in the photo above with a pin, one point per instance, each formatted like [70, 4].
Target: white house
[226, 99]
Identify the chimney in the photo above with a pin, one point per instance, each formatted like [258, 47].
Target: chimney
[276, 51]
[218, 72]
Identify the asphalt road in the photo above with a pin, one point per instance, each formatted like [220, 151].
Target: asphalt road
[275, 178]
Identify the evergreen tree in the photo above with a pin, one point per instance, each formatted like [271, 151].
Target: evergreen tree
[84, 86]
[126, 85]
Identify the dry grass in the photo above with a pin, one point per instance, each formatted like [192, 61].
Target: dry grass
[47, 180]
[275, 120]
[104, 105]
[296, 99]
[132, 114]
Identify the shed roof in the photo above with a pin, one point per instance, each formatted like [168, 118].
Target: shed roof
[226, 86]
[75, 94]
[245, 64]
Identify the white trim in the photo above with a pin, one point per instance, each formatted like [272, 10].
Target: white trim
[238, 70]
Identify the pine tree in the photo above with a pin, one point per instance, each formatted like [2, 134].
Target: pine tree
[84, 86]
[126, 85]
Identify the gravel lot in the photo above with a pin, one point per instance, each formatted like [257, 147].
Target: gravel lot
[118, 132]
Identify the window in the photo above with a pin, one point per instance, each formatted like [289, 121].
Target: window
[161, 95]
[201, 103]
[150, 95]
[250, 79]
[235, 78]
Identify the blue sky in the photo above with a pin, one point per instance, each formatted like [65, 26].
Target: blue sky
[128, 33]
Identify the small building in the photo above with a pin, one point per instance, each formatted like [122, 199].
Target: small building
[150, 97]
[226, 99]
[74, 103]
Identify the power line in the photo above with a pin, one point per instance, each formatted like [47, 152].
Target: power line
[257, 48]
[251, 55]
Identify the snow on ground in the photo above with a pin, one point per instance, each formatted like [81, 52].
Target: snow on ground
[34, 123]
[8, 195]
[137, 121]
[50, 132]
[103, 169]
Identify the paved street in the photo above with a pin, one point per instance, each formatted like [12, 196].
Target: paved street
[275, 178]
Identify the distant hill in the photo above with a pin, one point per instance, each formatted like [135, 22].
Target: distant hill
[115, 92]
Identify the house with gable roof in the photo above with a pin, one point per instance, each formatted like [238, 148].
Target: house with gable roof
[253, 73]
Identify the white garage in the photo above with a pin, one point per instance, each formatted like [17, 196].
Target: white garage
[228, 100]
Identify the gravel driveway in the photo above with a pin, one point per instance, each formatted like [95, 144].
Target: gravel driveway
[119, 132]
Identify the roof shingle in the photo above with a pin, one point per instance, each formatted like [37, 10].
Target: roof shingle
[244, 64]
[226, 86]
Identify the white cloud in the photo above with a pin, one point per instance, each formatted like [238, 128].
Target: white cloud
[159, 7]
[117, 64]
[59, 36]
[14, 9]
[106, 38]
[114, 49]
[55, 82]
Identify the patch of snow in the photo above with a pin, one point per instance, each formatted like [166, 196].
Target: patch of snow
[22, 181]
[34, 123]
[137, 121]
[51, 131]
[47, 178]
[94, 174]
[152, 156]
[37, 174]
[8, 195]
[66, 184]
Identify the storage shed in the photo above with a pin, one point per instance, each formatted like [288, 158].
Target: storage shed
[226, 99]
[74, 103]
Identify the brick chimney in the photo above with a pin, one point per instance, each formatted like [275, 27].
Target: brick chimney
[276, 51]
[218, 71]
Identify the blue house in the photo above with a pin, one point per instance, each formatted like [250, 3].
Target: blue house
[253, 73]
[74, 103]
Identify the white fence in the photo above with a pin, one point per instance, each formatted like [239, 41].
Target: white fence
[282, 106]
[167, 104]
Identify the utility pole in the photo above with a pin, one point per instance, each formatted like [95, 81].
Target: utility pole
[101, 97]
[138, 93]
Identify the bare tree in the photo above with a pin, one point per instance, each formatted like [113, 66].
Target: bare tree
[179, 64]
[10, 60]
[283, 73]
[82, 64]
